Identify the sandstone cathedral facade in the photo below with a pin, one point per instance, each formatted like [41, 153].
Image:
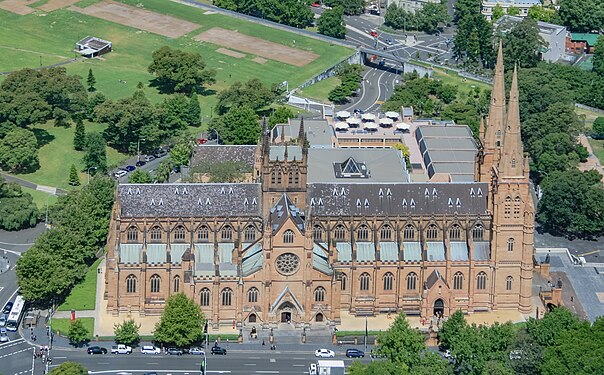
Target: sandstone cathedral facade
[283, 248]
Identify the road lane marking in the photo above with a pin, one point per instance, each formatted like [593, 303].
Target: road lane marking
[272, 360]
[249, 364]
[13, 353]
[299, 365]
[267, 372]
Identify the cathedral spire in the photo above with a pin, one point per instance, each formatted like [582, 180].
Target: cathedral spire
[481, 130]
[285, 153]
[496, 121]
[512, 163]
[264, 138]
[301, 132]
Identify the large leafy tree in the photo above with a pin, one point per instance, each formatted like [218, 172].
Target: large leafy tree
[541, 13]
[522, 44]
[473, 41]
[181, 323]
[127, 332]
[288, 12]
[582, 15]
[79, 136]
[96, 153]
[350, 7]
[77, 332]
[19, 151]
[181, 152]
[239, 126]
[193, 116]
[402, 344]
[281, 115]
[427, 19]
[252, 94]
[174, 114]
[598, 59]
[18, 209]
[180, 71]
[69, 368]
[331, 23]
[598, 127]
[140, 177]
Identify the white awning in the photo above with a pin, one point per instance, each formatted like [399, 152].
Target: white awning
[403, 126]
[341, 125]
[353, 120]
[368, 116]
[386, 121]
[392, 114]
[343, 114]
[370, 126]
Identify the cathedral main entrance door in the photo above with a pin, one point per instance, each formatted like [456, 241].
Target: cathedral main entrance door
[439, 307]
[286, 317]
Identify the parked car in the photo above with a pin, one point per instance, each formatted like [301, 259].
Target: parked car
[120, 173]
[196, 351]
[140, 163]
[148, 158]
[3, 335]
[130, 168]
[2, 321]
[389, 42]
[7, 308]
[96, 350]
[121, 349]
[324, 353]
[160, 153]
[174, 351]
[218, 350]
[355, 353]
[150, 349]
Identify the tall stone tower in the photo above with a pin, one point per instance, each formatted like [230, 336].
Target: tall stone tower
[283, 169]
[513, 216]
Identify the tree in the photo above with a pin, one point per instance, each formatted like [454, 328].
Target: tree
[126, 332]
[581, 15]
[339, 95]
[514, 11]
[522, 44]
[541, 13]
[193, 117]
[451, 329]
[431, 16]
[280, 115]
[69, 368]
[162, 173]
[179, 71]
[498, 12]
[598, 59]
[19, 151]
[350, 7]
[18, 210]
[181, 152]
[139, 176]
[572, 203]
[288, 12]
[77, 332]
[239, 126]
[91, 81]
[79, 136]
[96, 153]
[402, 344]
[174, 115]
[181, 322]
[473, 40]
[61, 117]
[331, 23]
[598, 127]
[252, 94]
[74, 178]
[223, 172]
[398, 18]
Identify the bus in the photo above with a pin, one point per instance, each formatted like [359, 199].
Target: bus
[15, 315]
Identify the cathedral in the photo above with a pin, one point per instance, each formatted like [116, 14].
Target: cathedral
[315, 232]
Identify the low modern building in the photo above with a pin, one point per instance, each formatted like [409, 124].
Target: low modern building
[411, 5]
[553, 35]
[92, 46]
[522, 5]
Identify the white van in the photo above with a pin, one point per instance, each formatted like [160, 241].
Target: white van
[149, 349]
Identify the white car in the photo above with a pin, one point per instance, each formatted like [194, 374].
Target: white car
[324, 353]
[2, 321]
[120, 173]
[3, 335]
[149, 349]
[197, 351]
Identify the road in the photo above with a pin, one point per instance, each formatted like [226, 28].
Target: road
[376, 87]
[236, 362]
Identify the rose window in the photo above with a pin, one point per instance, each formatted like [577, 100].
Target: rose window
[287, 263]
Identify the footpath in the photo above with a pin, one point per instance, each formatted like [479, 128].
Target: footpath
[28, 184]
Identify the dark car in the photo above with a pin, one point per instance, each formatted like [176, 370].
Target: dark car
[160, 153]
[96, 350]
[359, 111]
[174, 351]
[218, 350]
[7, 308]
[140, 163]
[129, 168]
[355, 353]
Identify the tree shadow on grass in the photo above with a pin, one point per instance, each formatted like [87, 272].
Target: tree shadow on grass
[42, 136]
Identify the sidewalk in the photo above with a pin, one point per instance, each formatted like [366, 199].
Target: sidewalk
[28, 184]
[592, 161]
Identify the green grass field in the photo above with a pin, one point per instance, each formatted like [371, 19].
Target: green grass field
[40, 198]
[62, 325]
[57, 155]
[83, 295]
[321, 89]
[465, 86]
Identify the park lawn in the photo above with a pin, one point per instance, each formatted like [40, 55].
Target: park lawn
[597, 146]
[465, 87]
[40, 198]
[321, 89]
[62, 325]
[56, 155]
[18, 59]
[83, 295]
[587, 117]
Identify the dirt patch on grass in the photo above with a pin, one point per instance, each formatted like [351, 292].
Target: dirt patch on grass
[259, 60]
[139, 18]
[256, 46]
[17, 6]
[57, 4]
[228, 52]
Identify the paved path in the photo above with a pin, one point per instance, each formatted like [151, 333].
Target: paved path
[28, 184]
[592, 160]
[49, 66]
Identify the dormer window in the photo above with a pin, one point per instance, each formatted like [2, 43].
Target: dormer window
[350, 169]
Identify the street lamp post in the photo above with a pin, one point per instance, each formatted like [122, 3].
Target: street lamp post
[88, 181]
[138, 149]
[46, 220]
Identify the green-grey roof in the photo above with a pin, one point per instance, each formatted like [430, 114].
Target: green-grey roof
[320, 260]
[344, 251]
[176, 252]
[130, 253]
[365, 251]
[388, 251]
[459, 251]
[412, 251]
[157, 253]
[225, 252]
[204, 269]
[252, 259]
[481, 250]
[436, 251]
[204, 253]
[591, 39]
[278, 152]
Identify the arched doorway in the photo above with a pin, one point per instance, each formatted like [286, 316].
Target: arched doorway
[439, 307]
[319, 317]
[252, 318]
[286, 309]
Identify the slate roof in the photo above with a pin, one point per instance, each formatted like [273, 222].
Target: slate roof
[189, 200]
[397, 199]
[433, 278]
[283, 210]
[212, 154]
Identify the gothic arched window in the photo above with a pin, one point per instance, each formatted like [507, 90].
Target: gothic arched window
[511, 244]
[517, 202]
[227, 233]
[411, 281]
[432, 232]
[363, 233]
[176, 284]
[252, 295]
[478, 232]
[132, 234]
[388, 278]
[508, 282]
[320, 294]
[481, 280]
[203, 233]
[179, 233]
[156, 233]
[386, 233]
[458, 280]
[409, 232]
[131, 284]
[250, 233]
[340, 232]
[227, 294]
[204, 297]
[155, 282]
[317, 233]
[364, 279]
[455, 232]
[288, 236]
[343, 281]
